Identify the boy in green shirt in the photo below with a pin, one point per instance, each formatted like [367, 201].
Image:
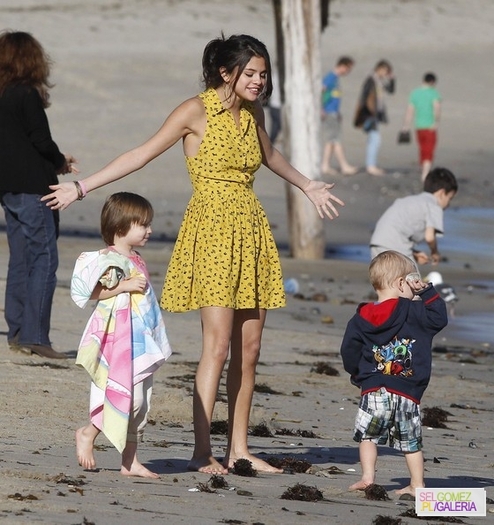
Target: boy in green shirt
[424, 107]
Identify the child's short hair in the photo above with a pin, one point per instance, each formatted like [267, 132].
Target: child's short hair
[430, 78]
[388, 266]
[345, 61]
[120, 212]
[440, 179]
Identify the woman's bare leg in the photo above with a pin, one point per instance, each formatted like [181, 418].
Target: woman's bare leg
[217, 325]
[245, 350]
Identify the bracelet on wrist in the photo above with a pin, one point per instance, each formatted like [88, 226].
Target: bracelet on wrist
[80, 193]
[82, 184]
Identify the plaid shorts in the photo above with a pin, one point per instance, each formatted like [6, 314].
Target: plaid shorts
[382, 414]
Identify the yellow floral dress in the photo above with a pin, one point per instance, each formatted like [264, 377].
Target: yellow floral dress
[225, 254]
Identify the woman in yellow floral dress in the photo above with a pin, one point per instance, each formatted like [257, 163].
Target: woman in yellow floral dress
[225, 260]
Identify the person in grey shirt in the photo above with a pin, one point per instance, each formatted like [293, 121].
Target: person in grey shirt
[416, 218]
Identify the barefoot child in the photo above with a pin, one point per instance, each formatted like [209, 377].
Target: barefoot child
[387, 351]
[125, 339]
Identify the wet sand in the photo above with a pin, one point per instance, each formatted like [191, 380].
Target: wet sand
[119, 69]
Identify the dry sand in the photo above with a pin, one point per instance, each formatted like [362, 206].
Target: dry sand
[120, 67]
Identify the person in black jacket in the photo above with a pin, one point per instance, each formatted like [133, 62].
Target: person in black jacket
[29, 163]
[371, 111]
[386, 350]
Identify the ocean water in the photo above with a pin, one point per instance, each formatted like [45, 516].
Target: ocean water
[468, 242]
[469, 233]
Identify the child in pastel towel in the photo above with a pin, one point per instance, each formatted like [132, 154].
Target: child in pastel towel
[125, 340]
[387, 350]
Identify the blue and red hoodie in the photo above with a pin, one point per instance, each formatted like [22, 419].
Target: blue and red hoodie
[389, 344]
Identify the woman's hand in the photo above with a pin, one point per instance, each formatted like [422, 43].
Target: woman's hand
[64, 194]
[319, 194]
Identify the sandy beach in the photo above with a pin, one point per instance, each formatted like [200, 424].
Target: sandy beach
[119, 69]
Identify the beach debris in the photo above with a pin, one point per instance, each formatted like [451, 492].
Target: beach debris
[406, 497]
[324, 472]
[163, 444]
[291, 286]
[297, 433]
[260, 430]
[242, 492]
[45, 364]
[85, 521]
[265, 389]
[62, 478]
[218, 482]
[290, 464]
[243, 467]
[320, 353]
[321, 367]
[334, 470]
[386, 520]
[219, 427]
[204, 487]
[20, 497]
[410, 513]
[327, 319]
[472, 444]
[302, 492]
[376, 492]
[435, 417]
[319, 297]
[435, 460]
[446, 291]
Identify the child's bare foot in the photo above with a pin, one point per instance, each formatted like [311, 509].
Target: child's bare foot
[407, 490]
[360, 485]
[258, 464]
[84, 440]
[207, 465]
[138, 469]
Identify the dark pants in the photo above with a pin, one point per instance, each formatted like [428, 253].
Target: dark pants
[32, 231]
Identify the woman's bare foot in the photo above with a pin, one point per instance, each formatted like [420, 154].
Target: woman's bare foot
[138, 469]
[207, 465]
[84, 441]
[360, 485]
[257, 464]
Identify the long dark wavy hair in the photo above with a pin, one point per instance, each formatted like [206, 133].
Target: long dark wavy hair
[24, 61]
[233, 53]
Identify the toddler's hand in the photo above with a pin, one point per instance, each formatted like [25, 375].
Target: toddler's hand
[415, 282]
[134, 284]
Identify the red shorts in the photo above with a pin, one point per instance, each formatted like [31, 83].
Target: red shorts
[426, 139]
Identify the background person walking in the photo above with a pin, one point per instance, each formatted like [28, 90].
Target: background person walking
[424, 109]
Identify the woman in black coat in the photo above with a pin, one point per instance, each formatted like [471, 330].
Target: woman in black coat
[29, 162]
